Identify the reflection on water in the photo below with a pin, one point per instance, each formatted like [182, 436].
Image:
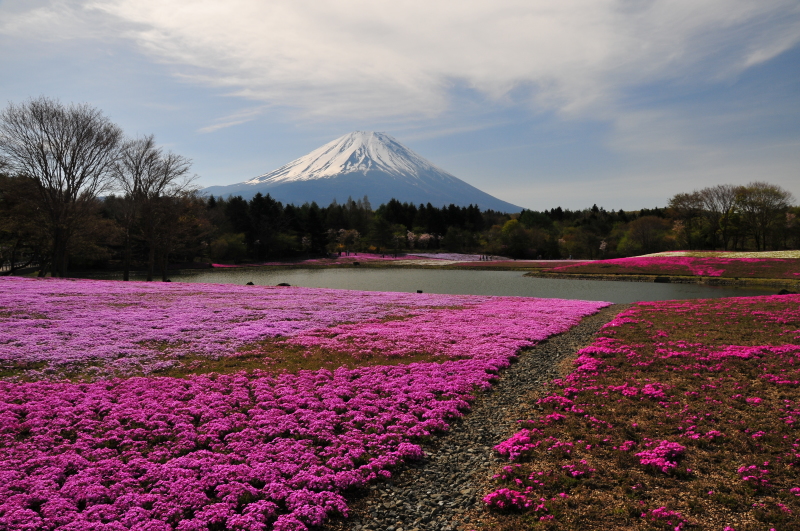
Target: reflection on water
[465, 283]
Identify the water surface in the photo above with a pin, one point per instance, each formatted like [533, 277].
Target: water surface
[461, 282]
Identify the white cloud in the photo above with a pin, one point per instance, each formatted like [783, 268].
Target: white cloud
[389, 59]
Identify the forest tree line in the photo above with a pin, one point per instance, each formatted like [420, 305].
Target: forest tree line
[76, 194]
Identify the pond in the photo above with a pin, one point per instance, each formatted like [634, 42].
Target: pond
[462, 282]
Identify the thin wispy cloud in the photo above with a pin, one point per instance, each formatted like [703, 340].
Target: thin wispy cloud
[237, 118]
[416, 134]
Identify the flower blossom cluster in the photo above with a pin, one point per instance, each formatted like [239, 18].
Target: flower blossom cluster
[663, 457]
[246, 451]
[667, 516]
[670, 392]
[755, 475]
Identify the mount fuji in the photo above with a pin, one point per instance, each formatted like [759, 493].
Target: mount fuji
[359, 164]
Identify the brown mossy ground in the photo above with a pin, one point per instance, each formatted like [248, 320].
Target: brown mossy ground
[756, 415]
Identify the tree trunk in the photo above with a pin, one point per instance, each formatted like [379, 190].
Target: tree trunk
[59, 265]
[44, 265]
[54, 259]
[164, 262]
[13, 263]
[151, 263]
[55, 262]
[64, 262]
[126, 271]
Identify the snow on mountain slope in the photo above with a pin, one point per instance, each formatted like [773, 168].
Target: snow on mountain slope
[357, 152]
[359, 164]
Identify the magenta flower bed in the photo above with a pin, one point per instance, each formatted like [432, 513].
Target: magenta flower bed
[115, 328]
[243, 451]
[123, 328]
[788, 268]
[494, 327]
[533, 264]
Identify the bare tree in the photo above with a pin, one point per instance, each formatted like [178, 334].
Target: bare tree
[150, 179]
[139, 160]
[688, 208]
[167, 180]
[763, 207]
[720, 205]
[69, 153]
[648, 234]
[182, 224]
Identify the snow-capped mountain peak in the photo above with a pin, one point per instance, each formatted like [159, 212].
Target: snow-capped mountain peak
[362, 164]
[357, 152]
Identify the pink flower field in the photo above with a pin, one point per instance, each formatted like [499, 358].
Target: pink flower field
[115, 413]
[682, 414]
[697, 266]
[524, 264]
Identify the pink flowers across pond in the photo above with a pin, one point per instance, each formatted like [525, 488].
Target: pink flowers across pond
[689, 265]
[707, 267]
[244, 451]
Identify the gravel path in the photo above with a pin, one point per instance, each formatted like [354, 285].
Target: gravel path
[443, 491]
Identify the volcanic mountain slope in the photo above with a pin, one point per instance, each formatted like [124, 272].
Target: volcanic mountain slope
[359, 164]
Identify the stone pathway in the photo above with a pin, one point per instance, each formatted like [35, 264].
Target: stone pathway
[443, 491]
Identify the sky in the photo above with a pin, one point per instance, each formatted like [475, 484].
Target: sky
[572, 103]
